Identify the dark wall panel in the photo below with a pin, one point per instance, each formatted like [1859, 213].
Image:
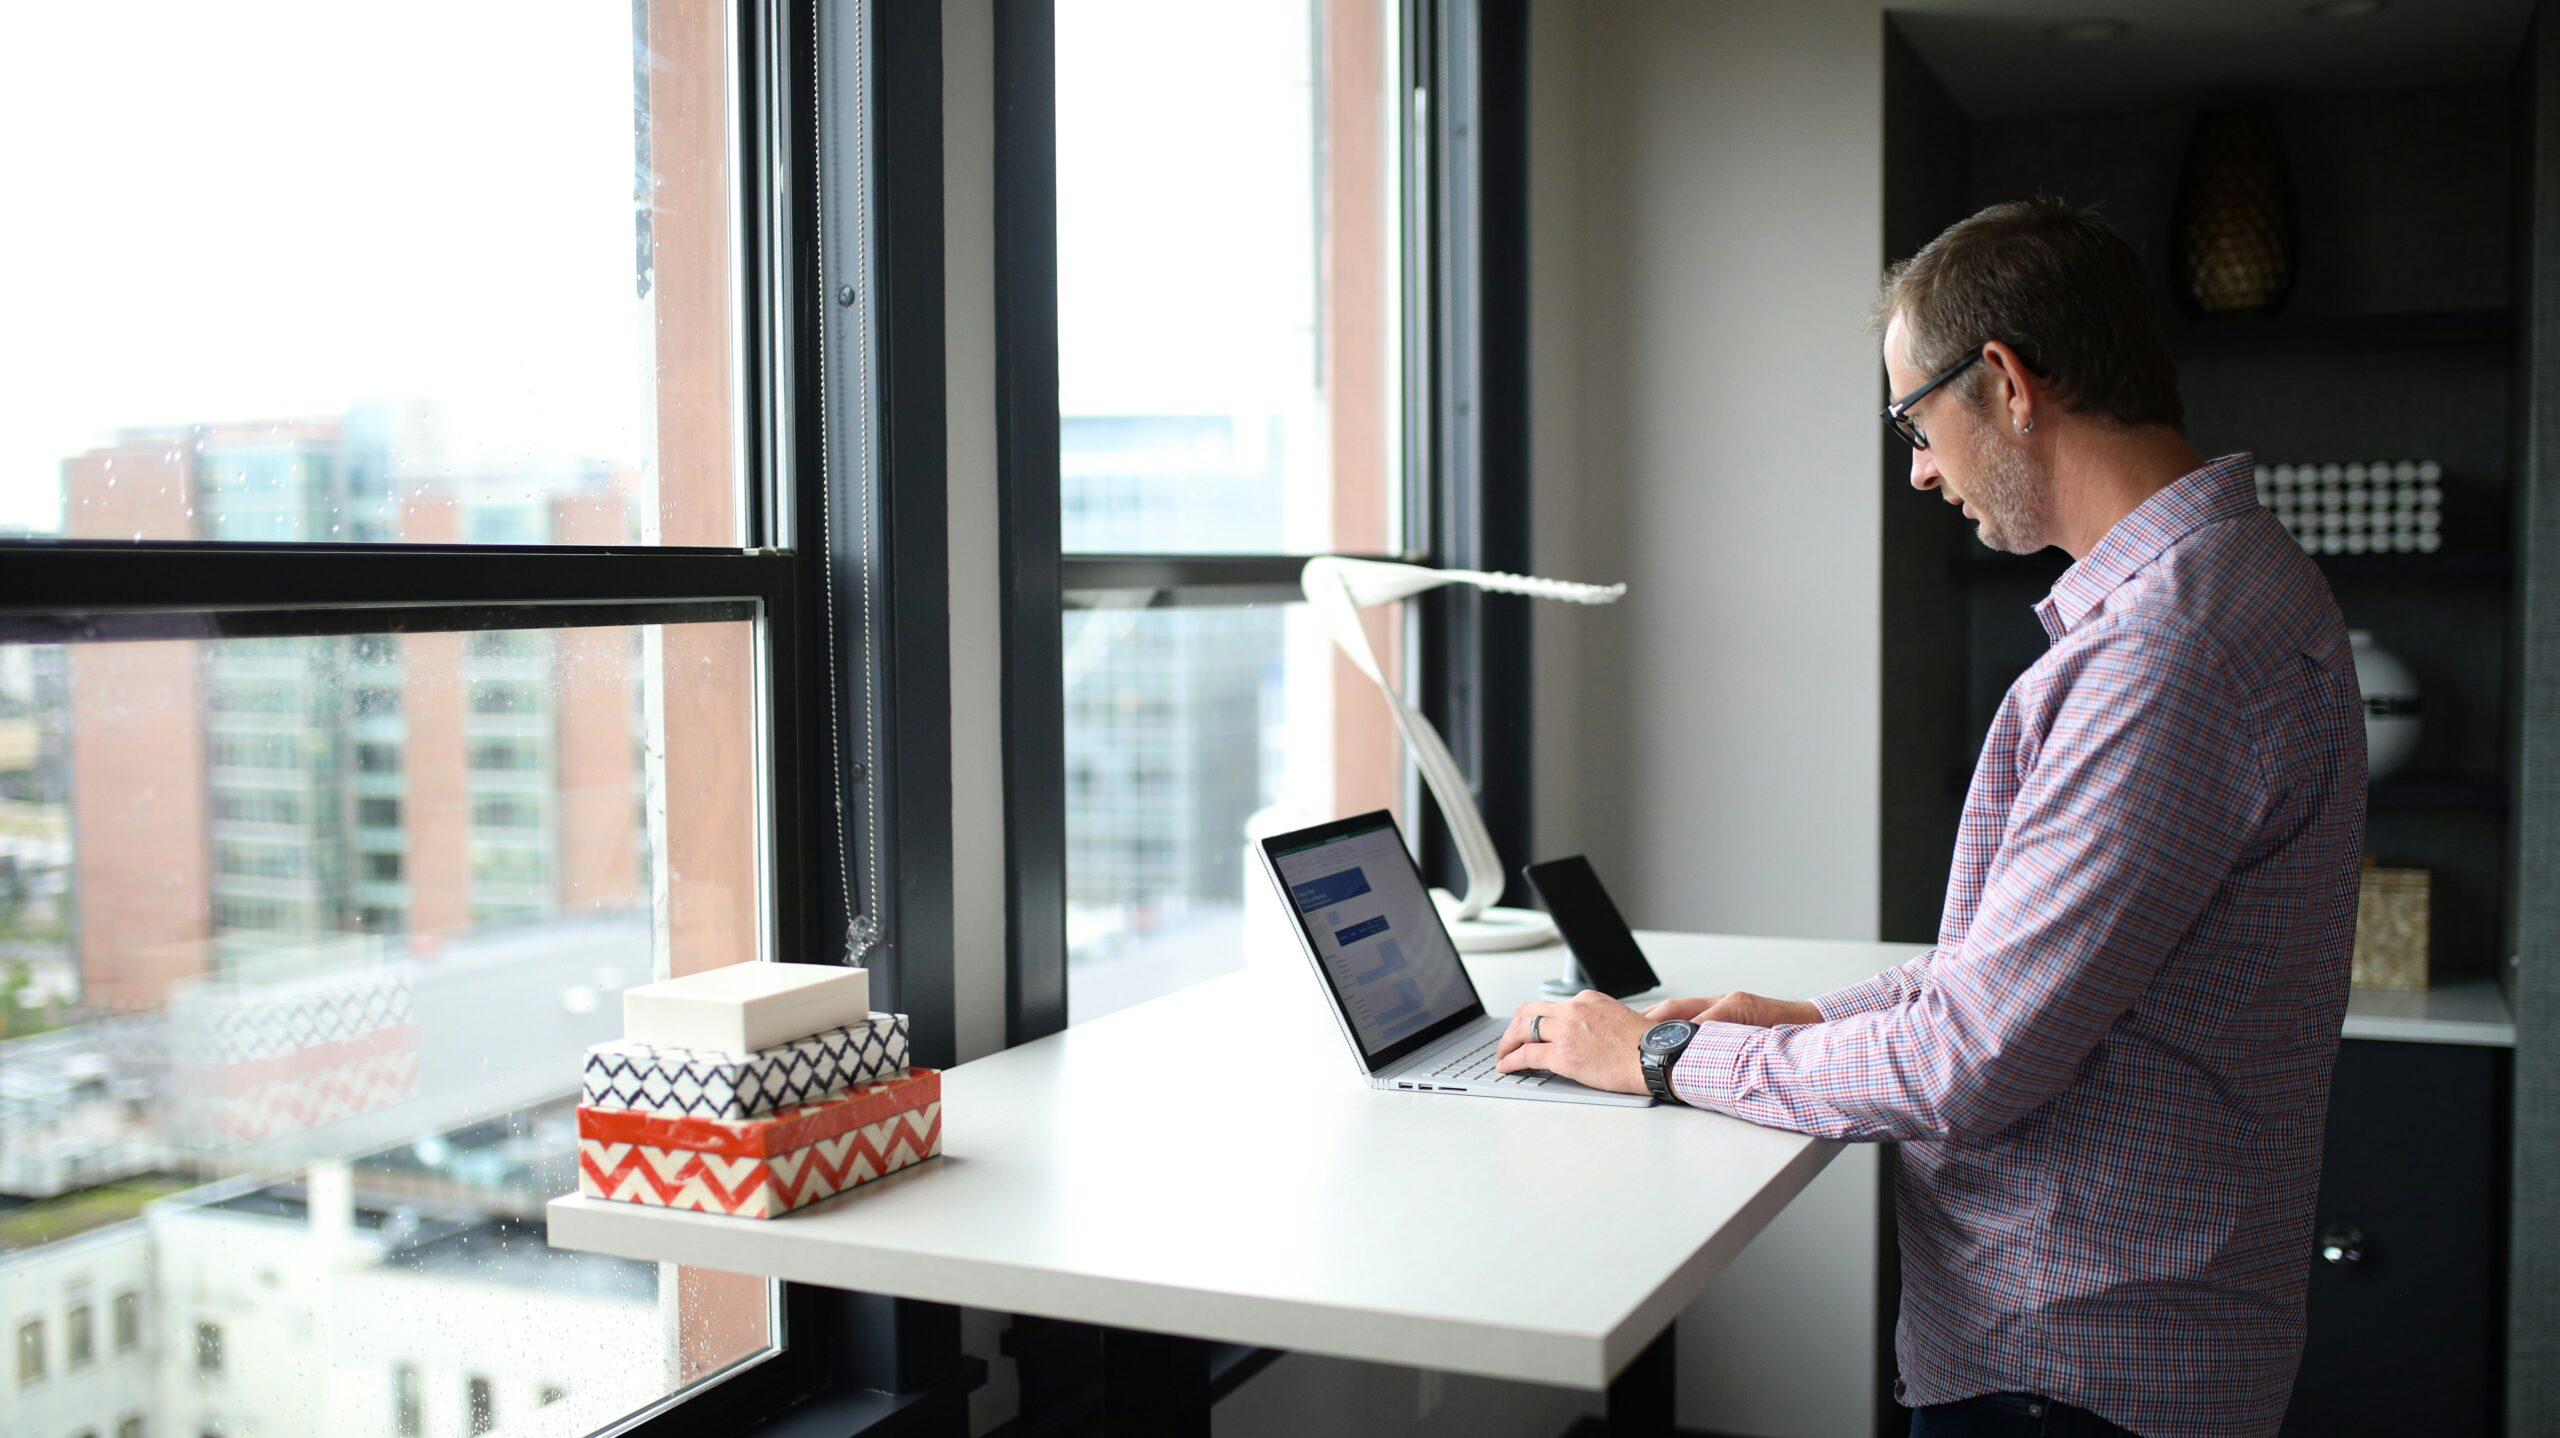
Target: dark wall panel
[2533, 1332]
[1926, 144]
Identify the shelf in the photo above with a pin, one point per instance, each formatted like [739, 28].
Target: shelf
[2421, 329]
[2473, 1011]
[2487, 796]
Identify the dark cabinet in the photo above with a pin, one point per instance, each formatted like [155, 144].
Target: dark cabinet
[2407, 1291]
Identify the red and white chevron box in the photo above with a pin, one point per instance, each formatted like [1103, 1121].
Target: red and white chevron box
[763, 1167]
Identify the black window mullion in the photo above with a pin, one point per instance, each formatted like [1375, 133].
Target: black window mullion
[51, 576]
[1475, 647]
[1032, 584]
[1183, 581]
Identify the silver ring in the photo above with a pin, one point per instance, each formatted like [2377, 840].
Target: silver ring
[1534, 1021]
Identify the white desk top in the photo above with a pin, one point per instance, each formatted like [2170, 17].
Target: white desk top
[1211, 1164]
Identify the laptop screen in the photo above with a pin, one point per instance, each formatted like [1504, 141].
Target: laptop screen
[1376, 937]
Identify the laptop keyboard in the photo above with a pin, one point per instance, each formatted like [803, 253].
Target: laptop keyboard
[1476, 1066]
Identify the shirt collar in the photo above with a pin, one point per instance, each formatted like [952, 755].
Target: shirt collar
[2219, 490]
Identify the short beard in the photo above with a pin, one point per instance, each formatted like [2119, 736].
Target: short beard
[2009, 496]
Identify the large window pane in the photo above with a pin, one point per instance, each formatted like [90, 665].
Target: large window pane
[306, 271]
[1186, 730]
[300, 939]
[1228, 276]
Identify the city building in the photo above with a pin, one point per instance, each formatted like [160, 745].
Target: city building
[386, 784]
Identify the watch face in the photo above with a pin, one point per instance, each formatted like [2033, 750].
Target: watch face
[1669, 1036]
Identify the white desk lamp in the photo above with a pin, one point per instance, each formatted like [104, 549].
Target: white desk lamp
[1339, 589]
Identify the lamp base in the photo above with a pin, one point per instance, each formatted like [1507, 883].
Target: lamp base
[1497, 928]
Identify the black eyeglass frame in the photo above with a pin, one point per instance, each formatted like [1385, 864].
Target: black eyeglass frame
[1898, 413]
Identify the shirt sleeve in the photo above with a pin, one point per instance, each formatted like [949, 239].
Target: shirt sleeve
[1897, 985]
[2142, 797]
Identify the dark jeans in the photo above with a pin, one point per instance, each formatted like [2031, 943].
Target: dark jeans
[2011, 1415]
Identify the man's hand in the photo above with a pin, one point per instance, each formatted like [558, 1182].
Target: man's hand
[1590, 1038]
[1736, 1008]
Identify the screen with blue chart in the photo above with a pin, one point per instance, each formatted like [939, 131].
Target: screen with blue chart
[1382, 947]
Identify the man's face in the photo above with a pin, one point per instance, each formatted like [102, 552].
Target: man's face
[1971, 457]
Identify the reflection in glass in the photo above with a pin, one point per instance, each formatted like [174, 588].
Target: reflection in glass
[300, 940]
[1185, 729]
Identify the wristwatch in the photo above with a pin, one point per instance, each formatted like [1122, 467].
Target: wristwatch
[1661, 1048]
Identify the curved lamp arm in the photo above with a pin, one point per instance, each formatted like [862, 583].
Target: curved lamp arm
[1338, 589]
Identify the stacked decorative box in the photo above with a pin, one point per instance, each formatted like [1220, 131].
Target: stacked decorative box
[753, 1090]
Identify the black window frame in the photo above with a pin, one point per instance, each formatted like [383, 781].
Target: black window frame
[849, 1361]
[1466, 486]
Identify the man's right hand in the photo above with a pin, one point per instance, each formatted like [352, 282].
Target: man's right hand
[1737, 1008]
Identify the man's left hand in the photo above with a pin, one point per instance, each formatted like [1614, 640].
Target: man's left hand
[1590, 1038]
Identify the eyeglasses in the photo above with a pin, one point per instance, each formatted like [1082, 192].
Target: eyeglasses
[1898, 413]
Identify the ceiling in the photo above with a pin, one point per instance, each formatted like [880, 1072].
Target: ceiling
[1996, 58]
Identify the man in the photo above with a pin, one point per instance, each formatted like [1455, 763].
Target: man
[2110, 1075]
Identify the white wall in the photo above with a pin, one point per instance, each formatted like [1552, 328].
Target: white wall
[1706, 183]
[977, 653]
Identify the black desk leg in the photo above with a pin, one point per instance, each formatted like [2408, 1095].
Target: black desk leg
[1642, 1397]
[1155, 1385]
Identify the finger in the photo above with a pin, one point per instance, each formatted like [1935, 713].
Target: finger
[1518, 1031]
[1526, 1056]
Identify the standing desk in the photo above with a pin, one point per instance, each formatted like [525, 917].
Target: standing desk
[1210, 1167]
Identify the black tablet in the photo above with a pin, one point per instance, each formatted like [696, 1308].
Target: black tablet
[1600, 940]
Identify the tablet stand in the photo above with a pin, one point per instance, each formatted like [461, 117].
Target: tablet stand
[1572, 981]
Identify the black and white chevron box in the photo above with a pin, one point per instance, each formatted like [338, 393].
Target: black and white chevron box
[703, 1083]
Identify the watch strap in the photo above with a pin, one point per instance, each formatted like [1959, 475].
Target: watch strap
[1657, 1073]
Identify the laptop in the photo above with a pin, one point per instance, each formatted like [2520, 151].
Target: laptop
[1401, 996]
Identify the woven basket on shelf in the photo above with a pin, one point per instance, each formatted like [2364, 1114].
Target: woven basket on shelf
[2391, 928]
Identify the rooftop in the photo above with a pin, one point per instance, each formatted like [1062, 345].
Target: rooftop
[51, 1220]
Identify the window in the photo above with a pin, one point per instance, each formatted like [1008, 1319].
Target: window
[508, 698]
[506, 811]
[408, 1402]
[1315, 342]
[328, 766]
[1231, 388]
[30, 1351]
[504, 755]
[128, 1322]
[80, 1339]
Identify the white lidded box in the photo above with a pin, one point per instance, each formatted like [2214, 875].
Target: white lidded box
[745, 1007]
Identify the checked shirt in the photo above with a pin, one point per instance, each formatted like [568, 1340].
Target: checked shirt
[2110, 1076]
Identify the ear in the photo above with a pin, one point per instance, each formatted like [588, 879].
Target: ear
[2016, 388]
